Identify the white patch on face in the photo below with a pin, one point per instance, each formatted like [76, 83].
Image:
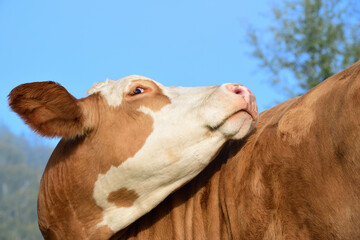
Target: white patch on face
[113, 90]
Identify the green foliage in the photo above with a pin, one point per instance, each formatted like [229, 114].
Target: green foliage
[20, 173]
[309, 40]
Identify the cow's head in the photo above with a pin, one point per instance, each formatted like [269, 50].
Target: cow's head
[137, 140]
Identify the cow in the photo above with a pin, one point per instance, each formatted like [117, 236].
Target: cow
[297, 176]
[125, 147]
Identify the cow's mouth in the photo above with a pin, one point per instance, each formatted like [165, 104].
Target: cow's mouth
[239, 124]
[242, 111]
[253, 114]
[234, 116]
[240, 115]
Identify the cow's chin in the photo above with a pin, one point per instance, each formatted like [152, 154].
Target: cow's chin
[237, 126]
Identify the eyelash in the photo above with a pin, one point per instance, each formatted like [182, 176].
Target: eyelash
[135, 92]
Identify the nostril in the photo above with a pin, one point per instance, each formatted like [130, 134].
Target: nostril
[235, 88]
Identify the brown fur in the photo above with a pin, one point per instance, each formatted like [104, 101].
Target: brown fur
[296, 177]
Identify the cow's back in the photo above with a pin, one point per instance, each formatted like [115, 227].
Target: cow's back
[296, 177]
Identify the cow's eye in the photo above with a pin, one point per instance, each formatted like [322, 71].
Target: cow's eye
[137, 90]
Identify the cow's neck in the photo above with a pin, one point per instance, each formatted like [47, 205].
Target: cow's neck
[137, 190]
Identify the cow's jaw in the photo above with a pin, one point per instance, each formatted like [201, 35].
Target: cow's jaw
[186, 136]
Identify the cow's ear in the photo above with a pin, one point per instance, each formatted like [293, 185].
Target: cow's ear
[49, 109]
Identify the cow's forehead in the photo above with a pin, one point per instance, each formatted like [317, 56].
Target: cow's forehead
[113, 90]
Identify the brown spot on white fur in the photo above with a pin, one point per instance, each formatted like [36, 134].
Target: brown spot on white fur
[123, 197]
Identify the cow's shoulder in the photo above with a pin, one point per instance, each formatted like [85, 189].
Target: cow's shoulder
[303, 162]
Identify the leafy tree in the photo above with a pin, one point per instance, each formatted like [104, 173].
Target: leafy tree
[309, 40]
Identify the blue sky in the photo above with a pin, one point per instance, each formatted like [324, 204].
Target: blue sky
[79, 43]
